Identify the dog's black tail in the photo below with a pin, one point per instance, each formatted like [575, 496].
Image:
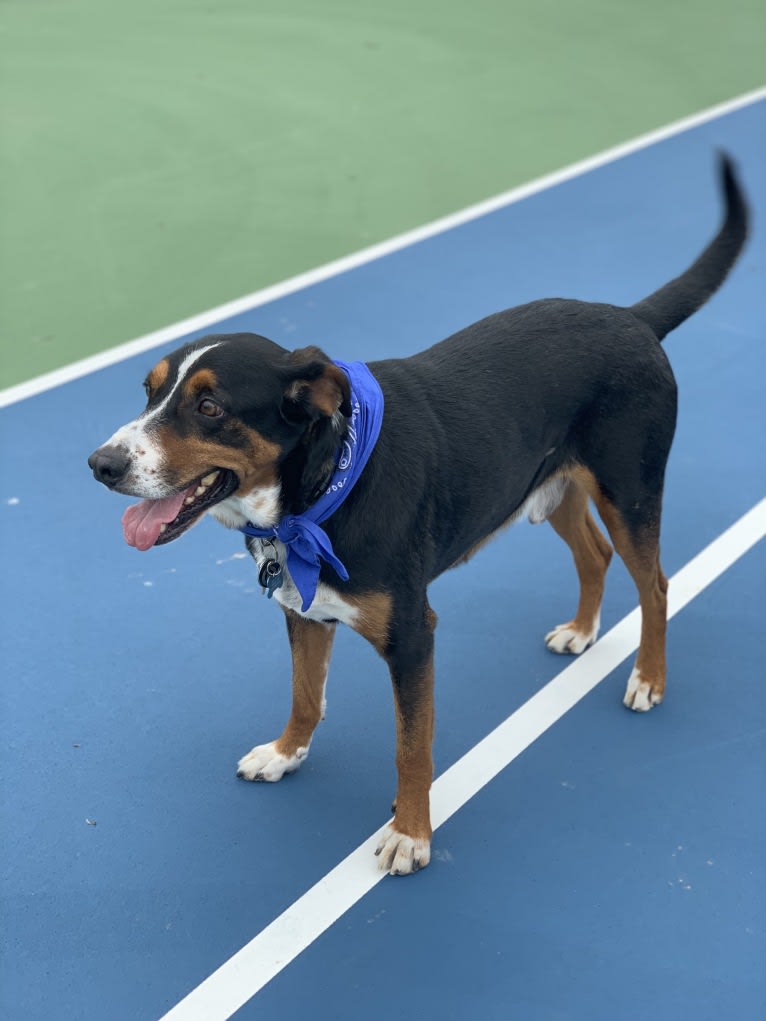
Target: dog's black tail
[668, 307]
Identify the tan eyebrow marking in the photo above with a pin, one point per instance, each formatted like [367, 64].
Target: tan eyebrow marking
[203, 379]
[158, 375]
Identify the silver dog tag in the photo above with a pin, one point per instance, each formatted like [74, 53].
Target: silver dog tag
[270, 576]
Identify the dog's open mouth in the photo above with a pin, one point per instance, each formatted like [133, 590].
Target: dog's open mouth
[155, 522]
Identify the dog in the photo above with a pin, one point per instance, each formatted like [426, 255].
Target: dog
[356, 485]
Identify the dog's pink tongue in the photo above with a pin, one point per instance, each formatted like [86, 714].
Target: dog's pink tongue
[142, 522]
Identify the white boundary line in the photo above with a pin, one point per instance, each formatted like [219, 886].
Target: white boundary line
[260, 960]
[68, 373]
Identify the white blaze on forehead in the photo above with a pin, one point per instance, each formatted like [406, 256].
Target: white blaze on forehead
[135, 432]
[183, 370]
[137, 439]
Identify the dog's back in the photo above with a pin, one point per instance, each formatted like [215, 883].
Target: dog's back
[506, 404]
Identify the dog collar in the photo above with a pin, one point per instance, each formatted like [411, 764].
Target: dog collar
[307, 544]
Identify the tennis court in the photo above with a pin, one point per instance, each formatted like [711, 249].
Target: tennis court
[588, 863]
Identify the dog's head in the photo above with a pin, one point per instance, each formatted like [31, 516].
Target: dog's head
[235, 425]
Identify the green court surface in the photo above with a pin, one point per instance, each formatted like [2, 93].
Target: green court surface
[159, 158]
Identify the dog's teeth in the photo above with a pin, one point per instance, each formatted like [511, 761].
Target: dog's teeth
[163, 528]
[200, 490]
[189, 499]
[209, 479]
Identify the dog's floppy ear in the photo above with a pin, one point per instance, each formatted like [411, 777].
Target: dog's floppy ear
[315, 388]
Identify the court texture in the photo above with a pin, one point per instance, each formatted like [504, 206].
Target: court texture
[588, 862]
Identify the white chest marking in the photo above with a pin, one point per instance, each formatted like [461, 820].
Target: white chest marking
[327, 605]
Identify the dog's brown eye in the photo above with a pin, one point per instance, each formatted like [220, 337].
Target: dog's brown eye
[148, 389]
[209, 408]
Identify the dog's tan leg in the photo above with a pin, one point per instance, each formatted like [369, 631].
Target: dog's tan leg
[310, 645]
[573, 521]
[641, 554]
[406, 843]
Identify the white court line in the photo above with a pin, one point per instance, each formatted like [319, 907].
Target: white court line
[203, 320]
[260, 960]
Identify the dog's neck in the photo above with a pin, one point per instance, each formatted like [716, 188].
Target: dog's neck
[350, 443]
[308, 468]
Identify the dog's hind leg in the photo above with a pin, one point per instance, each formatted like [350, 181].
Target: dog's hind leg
[639, 547]
[406, 844]
[573, 521]
[310, 646]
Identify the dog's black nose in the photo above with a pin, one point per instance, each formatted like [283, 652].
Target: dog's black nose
[109, 465]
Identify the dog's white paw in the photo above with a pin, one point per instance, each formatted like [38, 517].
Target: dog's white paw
[264, 762]
[567, 639]
[639, 694]
[401, 855]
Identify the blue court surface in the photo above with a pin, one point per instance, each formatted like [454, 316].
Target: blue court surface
[613, 870]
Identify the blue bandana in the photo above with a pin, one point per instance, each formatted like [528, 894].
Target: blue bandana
[306, 542]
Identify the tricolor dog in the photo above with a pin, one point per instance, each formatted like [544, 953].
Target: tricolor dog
[332, 469]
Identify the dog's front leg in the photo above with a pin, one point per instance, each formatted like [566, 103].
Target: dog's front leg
[406, 843]
[310, 645]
